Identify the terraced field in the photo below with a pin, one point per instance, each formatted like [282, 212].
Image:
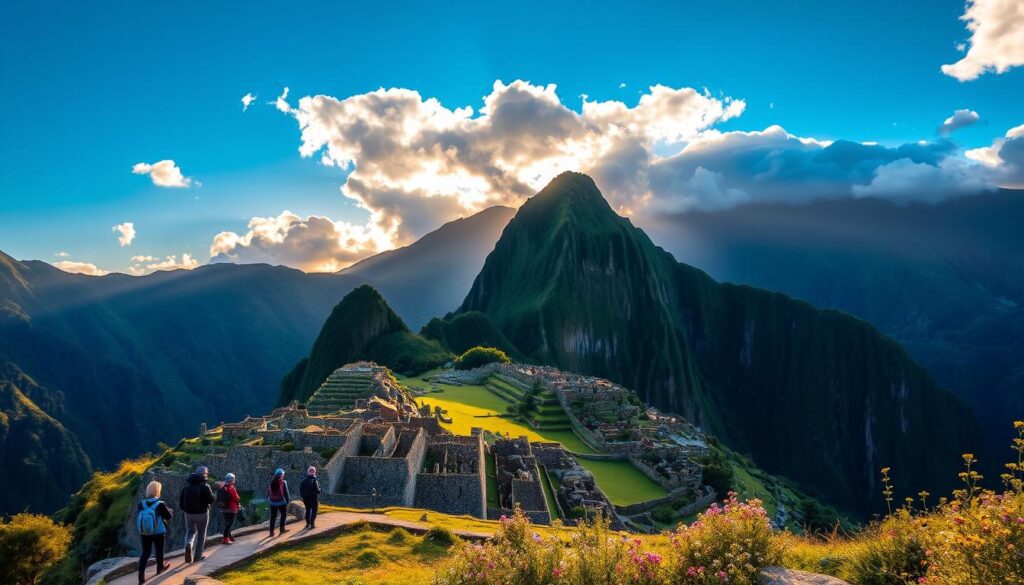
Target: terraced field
[477, 406]
[339, 391]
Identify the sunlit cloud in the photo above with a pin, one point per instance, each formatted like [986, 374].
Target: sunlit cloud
[996, 42]
[87, 268]
[125, 233]
[411, 163]
[164, 173]
[148, 264]
[247, 101]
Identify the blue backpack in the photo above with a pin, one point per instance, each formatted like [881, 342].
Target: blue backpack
[148, 522]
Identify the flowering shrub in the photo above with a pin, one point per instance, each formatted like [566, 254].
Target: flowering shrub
[728, 544]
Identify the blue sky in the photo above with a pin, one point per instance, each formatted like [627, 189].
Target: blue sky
[88, 93]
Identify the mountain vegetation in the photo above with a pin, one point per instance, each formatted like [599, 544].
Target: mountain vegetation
[817, 396]
[35, 449]
[361, 327]
[475, 357]
[942, 279]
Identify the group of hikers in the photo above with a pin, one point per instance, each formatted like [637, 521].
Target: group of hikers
[195, 500]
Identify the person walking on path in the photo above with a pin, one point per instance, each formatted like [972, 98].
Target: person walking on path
[227, 501]
[278, 498]
[309, 489]
[151, 522]
[195, 500]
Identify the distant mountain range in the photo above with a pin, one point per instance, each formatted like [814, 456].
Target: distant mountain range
[97, 369]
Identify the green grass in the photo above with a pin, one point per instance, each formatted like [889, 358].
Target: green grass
[548, 494]
[362, 555]
[475, 406]
[492, 483]
[621, 482]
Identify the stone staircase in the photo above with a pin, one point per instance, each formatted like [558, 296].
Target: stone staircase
[340, 391]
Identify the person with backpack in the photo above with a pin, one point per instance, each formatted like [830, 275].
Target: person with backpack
[195, 500]
[277, 498]
[309, 489]
[151, 522]
[227, 501]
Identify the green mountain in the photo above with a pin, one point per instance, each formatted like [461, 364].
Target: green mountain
[361, 327]
[817, 396]
[941, 279]
[41, 459]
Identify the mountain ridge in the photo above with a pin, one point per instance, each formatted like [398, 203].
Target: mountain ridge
[595, 295]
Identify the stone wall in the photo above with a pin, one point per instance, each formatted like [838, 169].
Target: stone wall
[451, 493]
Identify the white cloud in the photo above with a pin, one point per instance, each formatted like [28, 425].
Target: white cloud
[80, 268]
[622, 85]
[148, 264]
[997, 39]
[1005, 158]
[164, 173]
[247, 101]
[62, 254]
[125, 233]
[313, 244]
[959, 119]
[281, 103]
[411, 164]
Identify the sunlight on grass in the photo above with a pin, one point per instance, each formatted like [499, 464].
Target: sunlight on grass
[475, 406]
[363, 555]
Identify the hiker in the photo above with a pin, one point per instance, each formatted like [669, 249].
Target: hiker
[309, 489]
[194, 501]
[227, 501]
[278, 497]
[151, 523]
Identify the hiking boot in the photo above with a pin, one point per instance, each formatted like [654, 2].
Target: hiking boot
[188, 554]
[229, 540]
[163, 568]
[200, 558]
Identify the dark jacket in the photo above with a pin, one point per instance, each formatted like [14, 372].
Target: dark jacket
[196, 497]
[284, 490]
[309, 489]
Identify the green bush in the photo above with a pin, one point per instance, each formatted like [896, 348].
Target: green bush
[475, 357]
[717, 472]
[29, 545]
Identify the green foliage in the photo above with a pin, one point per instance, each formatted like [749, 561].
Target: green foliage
[440, 536]
[37, 448]
[475, 357]
[29, 545]
[407, 353]
[97, 512]
[717, 472]
[460, 332]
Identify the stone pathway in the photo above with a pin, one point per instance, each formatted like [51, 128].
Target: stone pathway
[251, 541]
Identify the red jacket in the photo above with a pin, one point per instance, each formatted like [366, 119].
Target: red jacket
[233, 499]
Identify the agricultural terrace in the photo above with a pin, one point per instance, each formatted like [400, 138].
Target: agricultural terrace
[471, 406]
